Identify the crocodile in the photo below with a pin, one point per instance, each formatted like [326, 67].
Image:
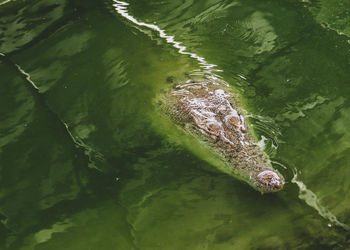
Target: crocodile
[206, 109]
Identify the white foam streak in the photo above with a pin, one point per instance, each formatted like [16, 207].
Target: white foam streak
[121, 8]
[311, 199]
[5, 2]
[27, 76]
[262, 142]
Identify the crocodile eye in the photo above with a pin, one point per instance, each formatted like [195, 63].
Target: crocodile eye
[234, 120]
[214, 129]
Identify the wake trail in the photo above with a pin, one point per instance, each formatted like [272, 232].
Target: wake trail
[210, 69]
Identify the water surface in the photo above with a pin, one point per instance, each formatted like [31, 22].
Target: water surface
[84, 163]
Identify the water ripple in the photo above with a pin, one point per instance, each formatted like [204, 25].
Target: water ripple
[121, 8]
[25, 23]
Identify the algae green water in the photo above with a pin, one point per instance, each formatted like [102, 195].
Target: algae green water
[85, 162]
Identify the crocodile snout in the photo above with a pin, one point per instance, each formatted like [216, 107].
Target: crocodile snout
[269, 181]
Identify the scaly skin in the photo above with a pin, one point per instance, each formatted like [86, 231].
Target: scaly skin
[209, 112]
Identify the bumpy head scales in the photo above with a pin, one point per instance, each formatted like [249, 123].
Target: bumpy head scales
[216, 119]
[268, 181]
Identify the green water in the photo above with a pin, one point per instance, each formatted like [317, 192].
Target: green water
[85, 162]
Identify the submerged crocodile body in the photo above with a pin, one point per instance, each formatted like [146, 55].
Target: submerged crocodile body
[207, 110]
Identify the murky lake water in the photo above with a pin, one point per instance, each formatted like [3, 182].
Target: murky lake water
[83, 164]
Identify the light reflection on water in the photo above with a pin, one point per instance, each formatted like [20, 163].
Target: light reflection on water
[121, 8]
[4, 2]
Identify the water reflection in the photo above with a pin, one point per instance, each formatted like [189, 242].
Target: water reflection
[332, 14]
[14, 123]
[21, 22]
[121, 8]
